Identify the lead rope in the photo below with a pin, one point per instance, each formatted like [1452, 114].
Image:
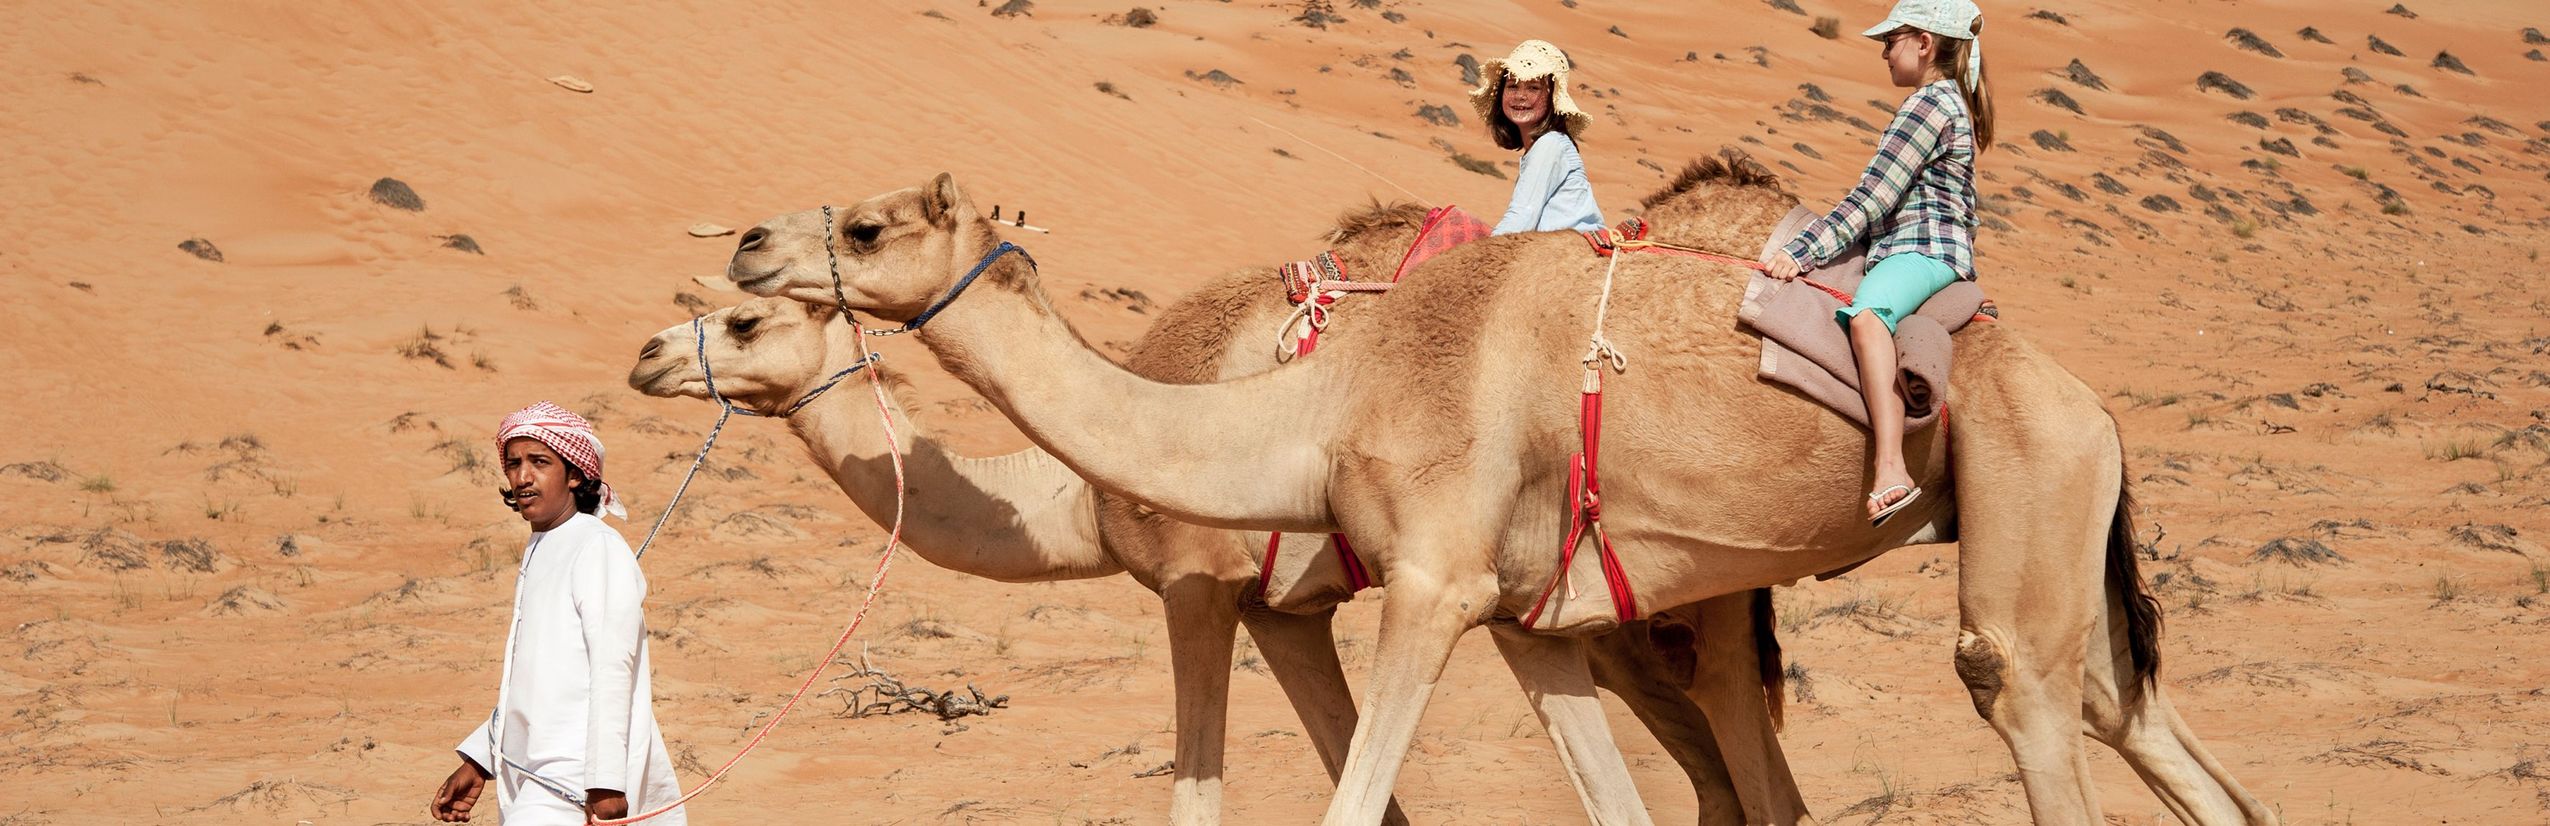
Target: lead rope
[876, 581]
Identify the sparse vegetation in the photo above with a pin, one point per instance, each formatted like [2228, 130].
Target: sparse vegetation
[2298, 551]
[2250, 41]
[1488, 168]
[2448, 589]
[2356, 172]
[100, 483]
[1829, 28]
[2219, 82]
[2456, 450]
[426, 346]
[396, 194]
[1109, 88]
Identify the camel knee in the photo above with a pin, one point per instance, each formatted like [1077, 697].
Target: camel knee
[1980, 666]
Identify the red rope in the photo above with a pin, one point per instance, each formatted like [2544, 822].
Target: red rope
[1356, 575]
[1585, 505]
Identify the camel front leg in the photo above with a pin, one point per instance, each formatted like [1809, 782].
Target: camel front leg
[1203, 613]
[1302, 651]
[1554, 677]
[1420, 621]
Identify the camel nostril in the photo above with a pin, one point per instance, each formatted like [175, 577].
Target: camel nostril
[752, 240]
[653, 346]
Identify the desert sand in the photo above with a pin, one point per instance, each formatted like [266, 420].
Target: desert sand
[255, 571]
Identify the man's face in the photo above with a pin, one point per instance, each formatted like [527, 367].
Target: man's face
[537, 479]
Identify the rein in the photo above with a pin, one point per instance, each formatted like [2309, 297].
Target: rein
[876, 580]
[833, 260]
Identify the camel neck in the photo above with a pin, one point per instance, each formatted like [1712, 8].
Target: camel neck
[1246, 454]
[1021, 517]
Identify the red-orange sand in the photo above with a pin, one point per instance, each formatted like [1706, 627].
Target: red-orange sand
[316, 593]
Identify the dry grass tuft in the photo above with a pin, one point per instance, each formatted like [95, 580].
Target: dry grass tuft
[396, 194]
[2219, 82]
[2297, 551]
[2250, 41]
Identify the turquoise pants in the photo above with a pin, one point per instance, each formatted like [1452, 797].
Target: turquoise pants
[1896, 287]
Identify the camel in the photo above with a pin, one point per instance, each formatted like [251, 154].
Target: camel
[1022, 517]
[1438, 443]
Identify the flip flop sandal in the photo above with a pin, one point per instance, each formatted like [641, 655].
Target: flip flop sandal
[1910, 494]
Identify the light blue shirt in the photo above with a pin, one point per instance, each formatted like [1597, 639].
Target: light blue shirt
[1551, 191]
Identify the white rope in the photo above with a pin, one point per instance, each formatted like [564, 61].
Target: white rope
[1598, 348]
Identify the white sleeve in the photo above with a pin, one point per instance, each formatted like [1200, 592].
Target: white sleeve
[1544, 169]
[610, 594]
[475, 747]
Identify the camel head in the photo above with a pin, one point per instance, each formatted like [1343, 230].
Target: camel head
[767, 353]
[894, 254]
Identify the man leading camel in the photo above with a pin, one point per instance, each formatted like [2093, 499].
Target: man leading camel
[573, 734]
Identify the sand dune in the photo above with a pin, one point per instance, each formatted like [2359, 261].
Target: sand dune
[253, 564]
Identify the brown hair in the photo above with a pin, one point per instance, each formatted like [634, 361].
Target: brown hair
[1950, 60]
[1509, 135]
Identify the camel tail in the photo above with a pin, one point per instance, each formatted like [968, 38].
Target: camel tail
[2142, 610]
[1766, 647]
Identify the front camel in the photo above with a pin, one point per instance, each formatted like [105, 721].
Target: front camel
[1462, 409]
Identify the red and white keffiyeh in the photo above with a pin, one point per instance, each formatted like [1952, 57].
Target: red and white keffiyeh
[568, 434]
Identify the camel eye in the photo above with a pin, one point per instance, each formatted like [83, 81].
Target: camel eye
[742, 326]
[864, 236]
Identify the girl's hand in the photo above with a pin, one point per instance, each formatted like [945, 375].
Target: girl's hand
[1780, 266]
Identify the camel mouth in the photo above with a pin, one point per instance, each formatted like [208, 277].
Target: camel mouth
[765, 284]
[653, 383]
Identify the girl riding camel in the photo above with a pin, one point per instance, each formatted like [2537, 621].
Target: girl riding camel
[1525, 103]
[1914, 207]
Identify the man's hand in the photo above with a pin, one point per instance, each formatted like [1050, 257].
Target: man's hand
[1780, 266]
[604, 804]
[459, 793]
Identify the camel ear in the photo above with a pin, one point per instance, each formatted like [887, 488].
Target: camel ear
[939, 200]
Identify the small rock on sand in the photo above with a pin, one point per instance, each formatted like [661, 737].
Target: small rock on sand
[705, 229]
[201, 248]
[573, 84]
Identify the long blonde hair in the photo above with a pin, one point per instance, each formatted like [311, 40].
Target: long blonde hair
[1950, 60]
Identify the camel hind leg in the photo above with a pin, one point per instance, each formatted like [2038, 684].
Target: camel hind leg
[2056, 634]
[2033, 488]
[2125, 707]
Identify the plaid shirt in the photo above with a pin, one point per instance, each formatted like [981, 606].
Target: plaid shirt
[1917, 195]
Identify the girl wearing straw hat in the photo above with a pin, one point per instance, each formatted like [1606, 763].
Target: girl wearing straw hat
[1525, 103]
[1914, 207]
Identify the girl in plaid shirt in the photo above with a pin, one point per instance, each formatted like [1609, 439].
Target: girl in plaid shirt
[1914, 208]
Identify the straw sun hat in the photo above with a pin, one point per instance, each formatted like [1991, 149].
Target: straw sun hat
[1531, 59]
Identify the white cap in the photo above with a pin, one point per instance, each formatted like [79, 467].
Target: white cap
[1946, 18]
[1959, 19]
